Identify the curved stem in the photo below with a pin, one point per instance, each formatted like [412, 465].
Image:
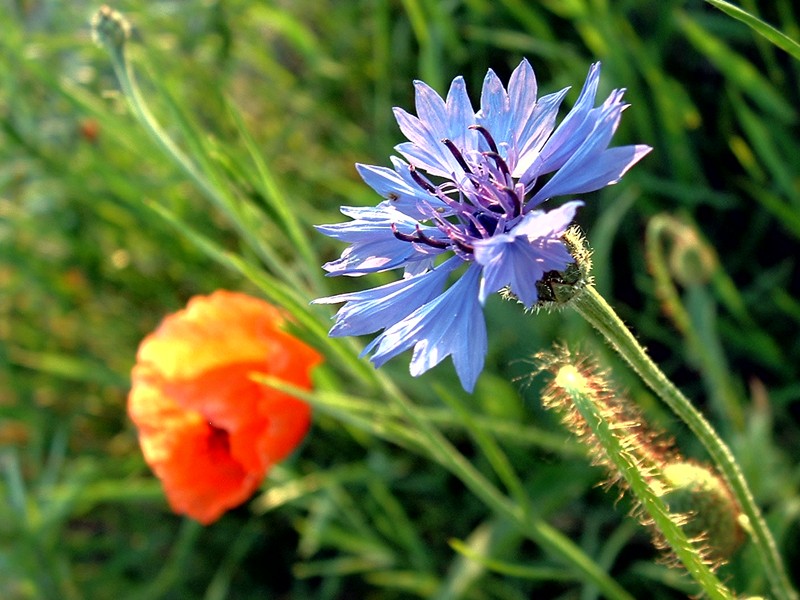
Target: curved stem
[110, 29]
[592, 307]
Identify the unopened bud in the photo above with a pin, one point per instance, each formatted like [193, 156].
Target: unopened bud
[110, 28]
[690, 259]
[579, 379]
[703, 496]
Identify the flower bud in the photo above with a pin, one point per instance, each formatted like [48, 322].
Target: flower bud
[576, 375]
[702, 495]
[676, 246]
[641, 459]
[690, 259]
[110, 28]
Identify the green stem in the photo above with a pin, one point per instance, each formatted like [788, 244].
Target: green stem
[592, 307]
[111, 35]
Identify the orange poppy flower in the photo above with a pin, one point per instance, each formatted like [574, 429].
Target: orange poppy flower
[206, 428]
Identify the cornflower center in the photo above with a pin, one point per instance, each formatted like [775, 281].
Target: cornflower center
[485, 202]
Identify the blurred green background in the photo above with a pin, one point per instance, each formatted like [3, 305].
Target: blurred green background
[89, 265]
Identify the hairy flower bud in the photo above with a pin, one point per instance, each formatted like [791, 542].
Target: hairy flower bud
[643, 461]
[701, 494]
[574, 375]
[691, 261]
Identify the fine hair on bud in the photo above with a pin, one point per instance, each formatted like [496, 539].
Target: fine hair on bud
[714, 518]
[649, 448]
[697, 499]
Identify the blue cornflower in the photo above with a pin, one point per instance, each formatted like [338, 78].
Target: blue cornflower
[470, 188]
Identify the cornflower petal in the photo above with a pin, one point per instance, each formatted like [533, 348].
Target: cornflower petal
[378, 308]
[570, 133]
[495, 113]
[550, 223]
[518, 122]
[372, 250]
[522, 90]
[460, 116]
[438, 120]
[423, 149]
[588, 169]
[375, 256]
[607, 168]
[452, 324]
[367, 221]
[398, 187]
[535, 133]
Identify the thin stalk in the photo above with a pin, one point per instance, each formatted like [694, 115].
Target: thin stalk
[491, 450]
[707, 349]
[110, 29]
[593, 307]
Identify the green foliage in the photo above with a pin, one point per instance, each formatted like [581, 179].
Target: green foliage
[404, 487]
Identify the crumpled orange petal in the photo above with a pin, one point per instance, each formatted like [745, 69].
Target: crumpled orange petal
[206, 428]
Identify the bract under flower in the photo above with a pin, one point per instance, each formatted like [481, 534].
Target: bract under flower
[208, 430]
[470, 188]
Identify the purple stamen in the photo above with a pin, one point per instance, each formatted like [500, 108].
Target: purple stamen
[516, 202]
[405, 237]
[424, 239]
[457, 155]
[420, 180]
[498, 160]
[487, 136]
[418, 237]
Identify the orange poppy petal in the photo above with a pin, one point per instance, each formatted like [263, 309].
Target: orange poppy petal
[265, 425]
[206, 428]
[223, 328]
[201, 478]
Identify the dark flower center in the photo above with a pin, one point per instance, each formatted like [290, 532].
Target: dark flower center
[218, 439]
